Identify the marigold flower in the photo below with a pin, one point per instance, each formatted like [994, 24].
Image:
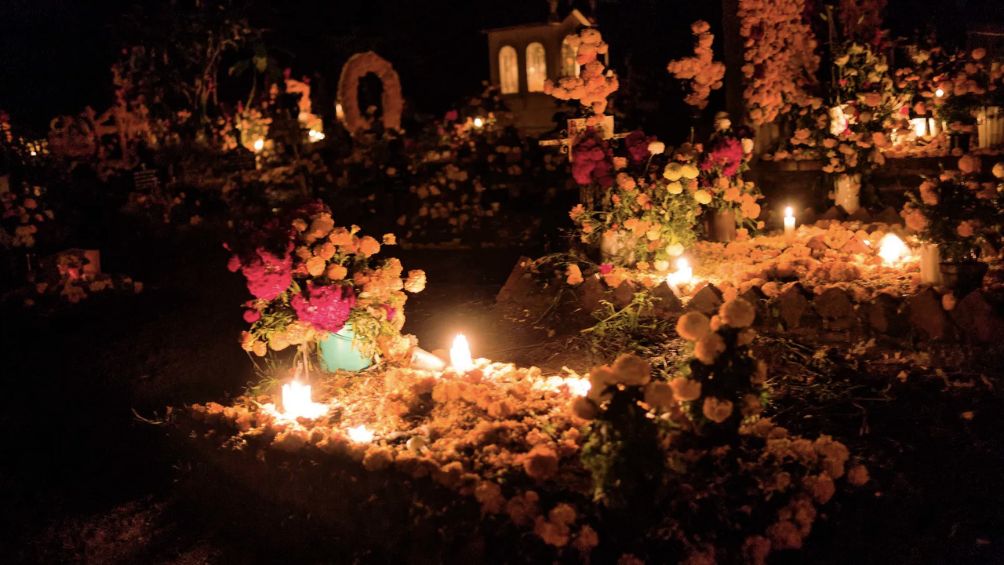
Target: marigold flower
[693, 326]
[702, 197]
[708, 348]
[416, 281]
[336, 272]
[369, 246]
[573, 275]
[541, 462]
[969, 164]
[659, 395]
[857, 475]
[737, 313]
[631, 370]
[389, 239]
[673, 172]
[716, 410]
[315, 266]
[685, 389]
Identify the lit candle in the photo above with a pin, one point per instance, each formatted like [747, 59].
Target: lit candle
[919, 126]
[892, 249]
[478, 122]
[789, 220]
[684, 274]
[939, 93]
[259, 144]
[315, 135]
[460, 354]
[296, 402]
[360, 434]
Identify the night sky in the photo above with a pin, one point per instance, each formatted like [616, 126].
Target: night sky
[55, 55]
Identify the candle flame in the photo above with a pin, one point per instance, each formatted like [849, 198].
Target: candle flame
[892, 249]
[789, 212]
[259, 144]
[684, 274]
[460, 354]
[360, 434]
[939, 93]
[296, 402]
[478, 122]
[315, 135]
[578, 386]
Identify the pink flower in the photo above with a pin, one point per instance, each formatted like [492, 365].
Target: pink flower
[637, 146]
[451, 116]
[726, 154]
[252, 316]
[327, 308]
[267, 275]
[605, 268]
[234, 264]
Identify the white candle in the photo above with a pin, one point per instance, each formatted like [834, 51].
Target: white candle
[460, 354]
[789, 220]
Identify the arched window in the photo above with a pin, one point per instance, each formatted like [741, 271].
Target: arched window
[508, 70]
[569, 64]
[536, 67]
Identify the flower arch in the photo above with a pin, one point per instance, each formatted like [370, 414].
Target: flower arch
[358, 66]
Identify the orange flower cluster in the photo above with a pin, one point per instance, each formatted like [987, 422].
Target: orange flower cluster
[594, 83]
[780, 54]
[704, 73]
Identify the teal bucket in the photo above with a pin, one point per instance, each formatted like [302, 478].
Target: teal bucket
[338, 352]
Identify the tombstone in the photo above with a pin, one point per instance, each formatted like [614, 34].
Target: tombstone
[145, 180]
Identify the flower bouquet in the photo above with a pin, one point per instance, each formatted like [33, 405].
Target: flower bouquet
[731, 200]
[311, 279]
[641, 216]
[956, 212]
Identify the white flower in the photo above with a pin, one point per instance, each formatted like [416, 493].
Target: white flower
[656, 147]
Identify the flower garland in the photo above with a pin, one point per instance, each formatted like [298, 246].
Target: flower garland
[309, 278]
[702, 71]
[594, 83]
[780, 55]
[358, 66]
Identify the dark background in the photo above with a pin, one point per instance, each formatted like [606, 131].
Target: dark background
[55, 55]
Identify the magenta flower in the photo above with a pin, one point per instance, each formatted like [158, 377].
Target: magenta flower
[252, 316]
[726, 155]
[605, 268]
[267, 275]
[637, 146]
[327, 308]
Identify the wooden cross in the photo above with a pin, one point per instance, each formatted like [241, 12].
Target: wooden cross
[576, 126]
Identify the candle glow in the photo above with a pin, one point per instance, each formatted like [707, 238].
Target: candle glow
[259, 144]
[684, 274]
[296, 402]
[892, 249]
[460, 354]
[478, 122]
[360, 434]
[315, 135]
[789, 220]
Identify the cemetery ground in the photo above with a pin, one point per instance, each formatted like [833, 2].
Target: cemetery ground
[113, 489]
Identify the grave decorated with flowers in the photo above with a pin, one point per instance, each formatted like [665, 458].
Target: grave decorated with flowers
[763, 330]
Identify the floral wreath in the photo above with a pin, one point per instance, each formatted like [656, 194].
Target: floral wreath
[358, 66]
